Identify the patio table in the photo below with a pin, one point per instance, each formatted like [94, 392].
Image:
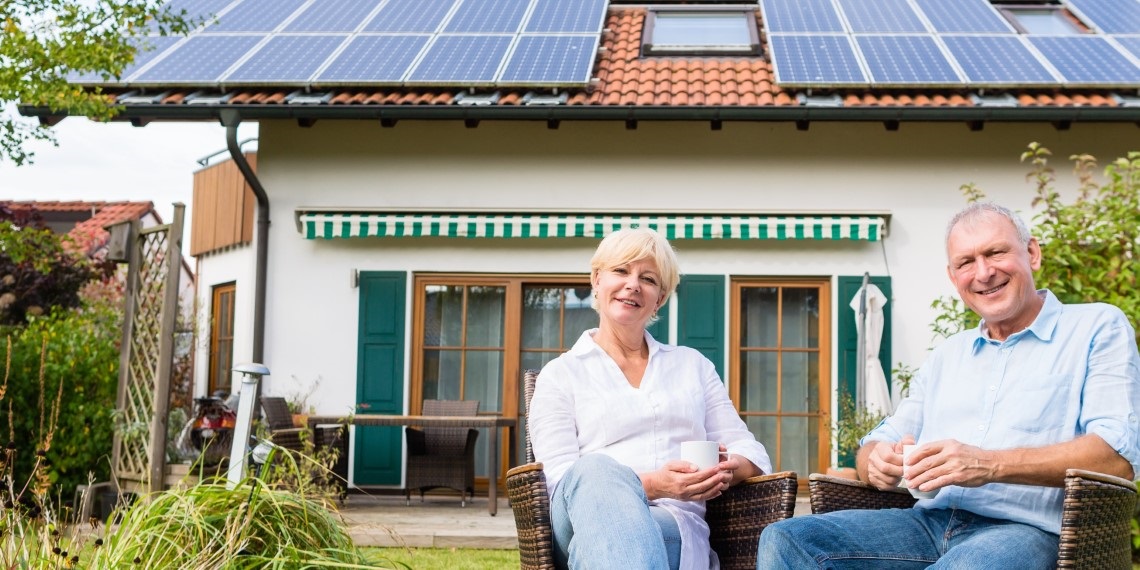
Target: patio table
[488, 421]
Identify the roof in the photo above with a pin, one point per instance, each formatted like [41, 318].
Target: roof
[84, 221]
[629, 87]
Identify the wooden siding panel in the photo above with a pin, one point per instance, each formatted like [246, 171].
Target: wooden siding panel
[223, 207]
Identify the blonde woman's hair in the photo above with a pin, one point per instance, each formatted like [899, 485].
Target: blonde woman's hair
[635, 244]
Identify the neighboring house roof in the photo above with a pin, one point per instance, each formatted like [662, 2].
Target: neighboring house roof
[630, 87]
[84, 221]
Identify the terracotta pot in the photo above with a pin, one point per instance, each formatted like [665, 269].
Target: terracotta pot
[845, 472]
[301, 420]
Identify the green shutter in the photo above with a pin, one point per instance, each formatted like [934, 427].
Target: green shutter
[700, 316]
[660, 329]
[380, 375]
[848, 338]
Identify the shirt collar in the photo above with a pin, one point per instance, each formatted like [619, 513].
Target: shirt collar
[585, 344]
[1043, 327]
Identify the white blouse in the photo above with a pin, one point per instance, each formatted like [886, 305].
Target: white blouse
[583, 404]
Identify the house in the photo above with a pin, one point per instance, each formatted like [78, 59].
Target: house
[85, 223]
[427, 230]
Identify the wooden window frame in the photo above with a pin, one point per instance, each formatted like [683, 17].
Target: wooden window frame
[826, 347]
[216, 337]
[748, 13]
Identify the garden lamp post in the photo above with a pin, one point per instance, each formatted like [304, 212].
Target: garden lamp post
[239, 450]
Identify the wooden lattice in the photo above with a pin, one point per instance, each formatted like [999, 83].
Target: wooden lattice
[146, 361]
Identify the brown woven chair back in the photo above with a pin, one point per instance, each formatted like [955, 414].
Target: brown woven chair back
[276, 412]
[447, 440]
[530, 376]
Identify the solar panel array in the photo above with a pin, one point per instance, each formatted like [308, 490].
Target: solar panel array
[946, 43]
[394, 42]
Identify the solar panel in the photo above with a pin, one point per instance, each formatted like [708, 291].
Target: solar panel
[551, 59]
[286, 59]
[196, 9]
[1130, 43]
[582, 16]
[964, 16]
[374, 59]
[201, 59]
[1087, 60]
[255, 16]
[467, 59]
[332, 16]
[881, 16]
[815, 60]
[800, 16]
[906, 60]
[488, 16]
[997, 60]
[149, 47]
[410, 16]
[1110, 16]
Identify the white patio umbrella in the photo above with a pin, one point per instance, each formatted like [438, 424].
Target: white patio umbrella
[868, 306]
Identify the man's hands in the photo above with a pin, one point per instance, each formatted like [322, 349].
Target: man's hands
[932, 466]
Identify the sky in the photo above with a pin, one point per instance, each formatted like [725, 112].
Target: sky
[116, 161]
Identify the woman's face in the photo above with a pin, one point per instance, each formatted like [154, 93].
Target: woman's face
[628, 294]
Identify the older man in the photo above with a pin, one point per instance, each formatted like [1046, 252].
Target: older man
[999, 413]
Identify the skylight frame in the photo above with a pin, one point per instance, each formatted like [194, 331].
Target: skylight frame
[747, 19]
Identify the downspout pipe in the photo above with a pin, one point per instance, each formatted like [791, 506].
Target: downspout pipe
[231, 119]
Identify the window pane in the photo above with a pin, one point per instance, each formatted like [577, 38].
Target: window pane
[796, 448]
[1044, 22]
[443, 315]
[701, 29]
[764, 428]
[484, 379]
[541, 317]
[537, 360]
[758, 316]
[580, 315]
[485, 316]
[801, 317]
[441, 374]
[800, 382]
[758, 391]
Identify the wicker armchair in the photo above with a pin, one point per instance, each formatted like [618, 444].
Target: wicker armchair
[442, 457]
[1095, 522]
[735, 519]
[280, 423]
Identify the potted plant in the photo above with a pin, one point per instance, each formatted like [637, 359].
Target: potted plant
[298, 401]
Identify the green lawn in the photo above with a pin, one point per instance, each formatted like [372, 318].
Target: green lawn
[446, 558]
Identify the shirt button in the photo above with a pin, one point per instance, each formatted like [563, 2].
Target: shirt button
[992, 388]
[981, 427]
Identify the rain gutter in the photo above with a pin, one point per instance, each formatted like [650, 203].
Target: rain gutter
[231, 118]
[143, 113]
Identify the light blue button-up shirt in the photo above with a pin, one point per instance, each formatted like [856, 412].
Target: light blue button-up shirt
[1074, 371]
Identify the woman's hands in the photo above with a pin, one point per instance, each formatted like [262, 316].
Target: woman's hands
[683, 481]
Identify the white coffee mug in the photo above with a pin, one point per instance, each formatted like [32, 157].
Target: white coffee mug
[703, 454]
[907, 449]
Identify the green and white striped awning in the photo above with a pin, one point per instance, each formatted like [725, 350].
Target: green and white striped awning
[330, 225]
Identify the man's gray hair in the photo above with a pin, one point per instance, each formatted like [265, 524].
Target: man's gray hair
[976, 210]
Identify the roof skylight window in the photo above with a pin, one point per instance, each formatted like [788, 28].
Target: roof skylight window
[1039, 19]
[704, 31]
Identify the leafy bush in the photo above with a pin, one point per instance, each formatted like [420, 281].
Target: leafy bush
[75, 352]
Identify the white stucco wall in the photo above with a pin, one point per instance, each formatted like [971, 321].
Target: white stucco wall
[913, 173]
[235, 265]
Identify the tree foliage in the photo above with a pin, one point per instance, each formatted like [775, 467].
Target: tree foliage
[46, 41]
[1090, 245]
[37, 270]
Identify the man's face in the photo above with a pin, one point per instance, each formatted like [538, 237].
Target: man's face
[993, 272]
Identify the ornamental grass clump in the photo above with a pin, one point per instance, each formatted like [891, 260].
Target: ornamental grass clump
[209, 525]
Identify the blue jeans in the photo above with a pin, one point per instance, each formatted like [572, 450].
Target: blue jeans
[602, 519]
[904, 539]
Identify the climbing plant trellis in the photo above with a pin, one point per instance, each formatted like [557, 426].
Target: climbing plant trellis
[147, 353]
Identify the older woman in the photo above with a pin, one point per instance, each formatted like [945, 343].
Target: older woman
[608, 417]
